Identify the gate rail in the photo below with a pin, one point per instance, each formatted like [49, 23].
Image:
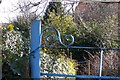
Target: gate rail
[80, 76]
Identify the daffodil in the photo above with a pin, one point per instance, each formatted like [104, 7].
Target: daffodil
[10, 27]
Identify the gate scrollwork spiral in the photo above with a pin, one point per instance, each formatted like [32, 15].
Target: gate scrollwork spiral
[50, 38]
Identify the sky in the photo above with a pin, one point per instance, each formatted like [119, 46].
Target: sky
[6, 10]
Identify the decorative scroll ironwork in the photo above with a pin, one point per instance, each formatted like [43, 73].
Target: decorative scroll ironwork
[50, 37]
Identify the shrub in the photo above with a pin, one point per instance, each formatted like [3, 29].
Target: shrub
[59, 64]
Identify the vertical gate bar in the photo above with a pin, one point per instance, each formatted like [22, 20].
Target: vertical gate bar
[35, 43]
[88, 67]
[101, 64]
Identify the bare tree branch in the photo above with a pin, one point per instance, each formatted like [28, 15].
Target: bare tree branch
[0, 1]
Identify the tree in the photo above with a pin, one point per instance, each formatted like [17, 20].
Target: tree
[53, 7]
[56, 17]
[104, 15]
[39, 7]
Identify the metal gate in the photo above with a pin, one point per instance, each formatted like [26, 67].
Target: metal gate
[36, 37]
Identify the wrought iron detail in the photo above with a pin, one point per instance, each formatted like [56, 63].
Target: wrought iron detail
[50, 37]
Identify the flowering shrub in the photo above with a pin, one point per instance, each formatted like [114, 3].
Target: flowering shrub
[12, 48]
[50, 63]
[13, 42]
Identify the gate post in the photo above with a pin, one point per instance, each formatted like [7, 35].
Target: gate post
[35, 43]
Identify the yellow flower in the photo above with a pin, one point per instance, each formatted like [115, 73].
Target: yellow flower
[45, 49]
[10, 27]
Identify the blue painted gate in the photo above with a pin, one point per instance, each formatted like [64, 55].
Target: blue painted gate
[35, 44]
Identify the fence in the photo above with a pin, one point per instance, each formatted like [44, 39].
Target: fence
[36, 37]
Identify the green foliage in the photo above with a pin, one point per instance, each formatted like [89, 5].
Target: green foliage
[64, 23]
[58, 19]
[55, 16]
[12, 48]
[59, 64]
[15, 48]
[99, 34]
[95, 34]
[53, 7]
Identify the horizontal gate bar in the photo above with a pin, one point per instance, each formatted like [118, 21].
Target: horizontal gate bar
[80, 47]
[81, 76]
